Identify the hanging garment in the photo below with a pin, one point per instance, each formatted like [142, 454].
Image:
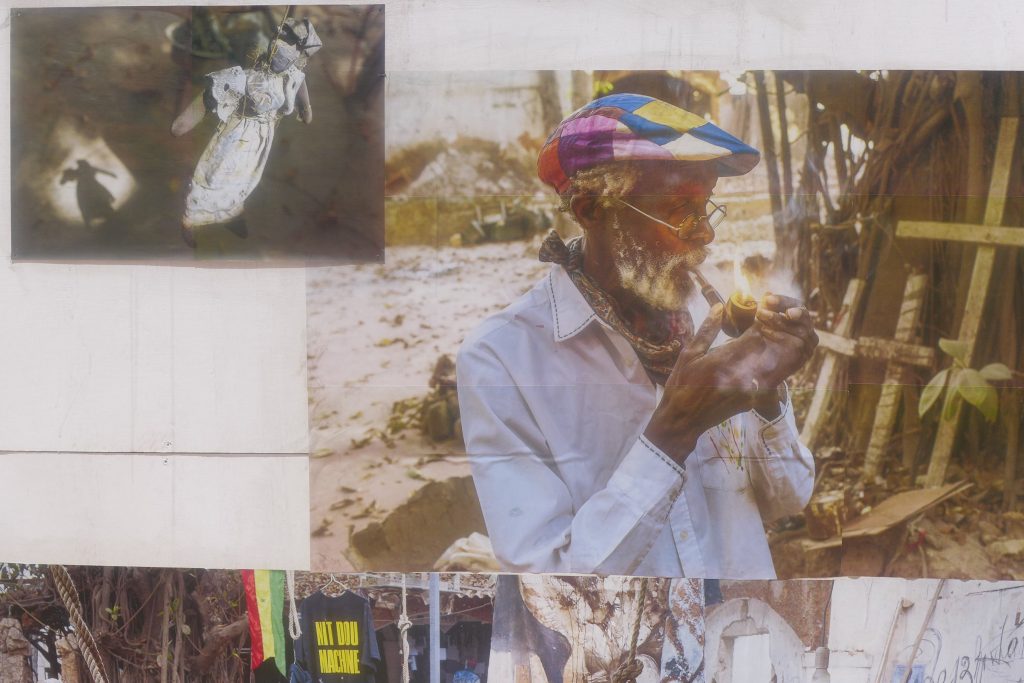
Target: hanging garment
[338, 642]
[248, 104]
[264, 598]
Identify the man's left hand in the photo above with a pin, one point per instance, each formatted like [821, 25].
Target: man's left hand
[789, 342]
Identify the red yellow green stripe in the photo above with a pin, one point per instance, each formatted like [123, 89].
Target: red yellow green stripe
[264, 599]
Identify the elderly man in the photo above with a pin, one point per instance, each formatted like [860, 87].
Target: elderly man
[606, 435]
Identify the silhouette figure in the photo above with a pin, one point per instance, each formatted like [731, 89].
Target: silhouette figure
[94, 201]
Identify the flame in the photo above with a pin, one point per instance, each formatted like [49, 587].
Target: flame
[741, 282]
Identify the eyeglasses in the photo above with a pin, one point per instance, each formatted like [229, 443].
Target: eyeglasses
[683, 230]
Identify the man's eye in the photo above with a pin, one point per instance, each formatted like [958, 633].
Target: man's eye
[685, 212]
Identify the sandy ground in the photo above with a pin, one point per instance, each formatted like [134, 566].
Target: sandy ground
[374, 335]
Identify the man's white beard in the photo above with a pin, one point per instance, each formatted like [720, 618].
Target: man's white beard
[655, 279]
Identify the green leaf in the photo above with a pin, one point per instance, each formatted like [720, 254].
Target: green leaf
[932, 392]
[972, 386]
[955, 348]
[950, 407]
[990, 406]
[996, 372]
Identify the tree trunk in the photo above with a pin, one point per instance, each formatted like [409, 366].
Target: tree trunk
[550, 102]
[220, 637]
[582, 88]
[774, 189]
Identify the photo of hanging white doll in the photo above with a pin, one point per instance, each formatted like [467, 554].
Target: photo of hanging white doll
[249, 103]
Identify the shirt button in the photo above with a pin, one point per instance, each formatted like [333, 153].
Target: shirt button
[683, 535]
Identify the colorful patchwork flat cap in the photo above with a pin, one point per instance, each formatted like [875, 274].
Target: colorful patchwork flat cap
[625, 127]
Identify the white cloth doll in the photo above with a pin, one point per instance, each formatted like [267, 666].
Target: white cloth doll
[249, 103]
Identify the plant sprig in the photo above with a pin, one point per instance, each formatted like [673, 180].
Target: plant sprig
[964, 384]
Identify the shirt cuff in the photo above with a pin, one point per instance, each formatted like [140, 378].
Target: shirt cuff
[775, 435]
[646, 475]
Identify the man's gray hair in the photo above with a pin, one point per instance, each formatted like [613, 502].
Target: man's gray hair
[604, 180]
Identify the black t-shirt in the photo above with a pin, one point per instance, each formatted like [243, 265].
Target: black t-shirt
[338, 642]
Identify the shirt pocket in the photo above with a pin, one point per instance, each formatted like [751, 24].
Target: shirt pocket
[720, 457]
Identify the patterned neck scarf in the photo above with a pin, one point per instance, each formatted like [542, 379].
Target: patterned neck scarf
[658, 358]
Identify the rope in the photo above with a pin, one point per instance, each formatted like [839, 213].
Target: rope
[631, 669]
[404, 624]
[294, 627]
[88, 647]
[271, 51]
[277, 36]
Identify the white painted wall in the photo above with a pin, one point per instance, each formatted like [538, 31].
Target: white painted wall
[480, 35]
[749, 617]
[973, 629]
[492, 105]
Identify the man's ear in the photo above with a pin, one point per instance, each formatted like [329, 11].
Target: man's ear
[586, 208]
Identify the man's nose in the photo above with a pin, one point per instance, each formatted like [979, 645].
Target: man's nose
[705, 234]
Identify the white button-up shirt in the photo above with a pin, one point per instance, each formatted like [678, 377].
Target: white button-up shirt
[554, 404]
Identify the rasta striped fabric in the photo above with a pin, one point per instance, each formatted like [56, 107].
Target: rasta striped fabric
[626, 127]
[264, 600]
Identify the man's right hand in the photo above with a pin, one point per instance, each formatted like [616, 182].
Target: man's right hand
[706, 388]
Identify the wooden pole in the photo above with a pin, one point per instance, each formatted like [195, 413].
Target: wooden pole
[771, 164]
[895, 376]
[435, 627]
[1011, 419]
[921, 632]
[831, 366]
[787, 164]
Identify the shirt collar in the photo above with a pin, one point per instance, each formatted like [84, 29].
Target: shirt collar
[570, 310]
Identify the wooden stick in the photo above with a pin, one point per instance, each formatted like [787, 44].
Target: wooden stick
[771, 164]
[877, 348]
[902, 607]
[961, 232]
[830, 367]
[1011, 419]
[835, 343]
[896, 351]
[920, 633]
[787, 165]
[911, 432]
[895, 376]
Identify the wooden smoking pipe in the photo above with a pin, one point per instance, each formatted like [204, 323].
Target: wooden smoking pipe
[739, 309]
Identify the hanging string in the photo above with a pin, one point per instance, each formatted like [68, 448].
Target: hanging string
[404, 624]
[294, 627]
[277, 36]
[271, 51]
[88, 647]
[630, 669]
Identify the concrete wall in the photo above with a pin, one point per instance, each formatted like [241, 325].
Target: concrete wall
[741, 617]
[493, 105]
[975, 634]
